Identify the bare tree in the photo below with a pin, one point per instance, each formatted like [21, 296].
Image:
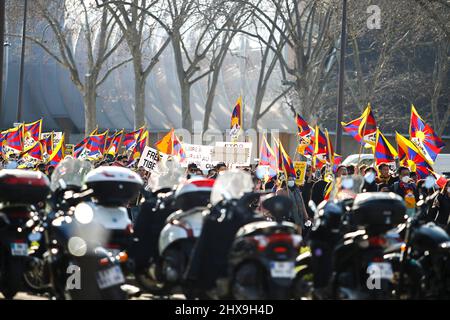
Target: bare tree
[439, 12]
[69, 22]
[302, 29]
[140, 32]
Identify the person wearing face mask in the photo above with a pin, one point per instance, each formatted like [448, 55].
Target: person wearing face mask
[440, 209]
[406, 188]
[404, 183]
[370, 184]
[298, 215]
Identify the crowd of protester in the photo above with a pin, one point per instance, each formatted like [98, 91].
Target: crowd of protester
[315, 186]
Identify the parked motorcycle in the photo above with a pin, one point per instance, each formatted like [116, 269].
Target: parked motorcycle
[165, 236]
[348, 243]
[20, 191]
[239, 254]
[75, 263]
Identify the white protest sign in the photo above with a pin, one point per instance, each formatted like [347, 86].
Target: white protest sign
[57, 136]
[238, 154]
[200, 155]
[149, 159]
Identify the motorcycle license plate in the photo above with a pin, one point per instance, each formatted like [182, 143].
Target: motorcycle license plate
[382, 270]
[282, 269]
[19, 249]
[110, 277]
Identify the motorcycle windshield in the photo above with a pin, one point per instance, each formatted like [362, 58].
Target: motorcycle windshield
[69, 172]
[231, 184]
[168, 174]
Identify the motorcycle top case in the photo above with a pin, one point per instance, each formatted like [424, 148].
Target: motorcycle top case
[23, 186]
[378, 208]
[114, 185]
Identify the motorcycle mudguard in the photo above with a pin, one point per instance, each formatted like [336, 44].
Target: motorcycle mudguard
[170, 234]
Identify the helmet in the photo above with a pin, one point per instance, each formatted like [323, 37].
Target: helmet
[194, 193]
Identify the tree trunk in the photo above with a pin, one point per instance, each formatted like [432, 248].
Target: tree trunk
[210, 100]
[186, 118]
[90, 110]
[139, 98]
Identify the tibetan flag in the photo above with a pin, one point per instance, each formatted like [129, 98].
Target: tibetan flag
[34, 152]
[2, 141]
[309, 150]
[178, 149]
[286, 163]
[411, 156]
[363, 129]
[327, 192]
[267, 156]
[303, 128]
[320, 142]
[320, 148]
[130, 139]
[424, 136]
[79, 148]
[236, 118]
[32, 131]
[277, 152]
[94, 132]
[441, 180]
[58, 153]
[165, 145]
[337, 162]
[47, 144]
[140, 146]
[384, 152]
[14, 138]
[96, 144]
[112, 143]
[330, 151]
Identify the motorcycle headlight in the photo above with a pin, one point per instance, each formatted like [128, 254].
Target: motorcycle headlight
[77, 246]
[84, 213]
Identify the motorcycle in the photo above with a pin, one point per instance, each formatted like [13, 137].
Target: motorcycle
[21, 191]
[239, 254]
[167, 227]
[75, 263]
[423, 259]
[348, 244]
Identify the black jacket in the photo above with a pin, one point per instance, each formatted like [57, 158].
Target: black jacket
[318, 191]
[441, 209]
[306, 194]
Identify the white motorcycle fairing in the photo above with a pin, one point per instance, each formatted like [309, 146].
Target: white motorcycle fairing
[181, 225]
[111, 218]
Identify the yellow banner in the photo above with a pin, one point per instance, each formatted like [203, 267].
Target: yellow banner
[68, 151]
[300, 172]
